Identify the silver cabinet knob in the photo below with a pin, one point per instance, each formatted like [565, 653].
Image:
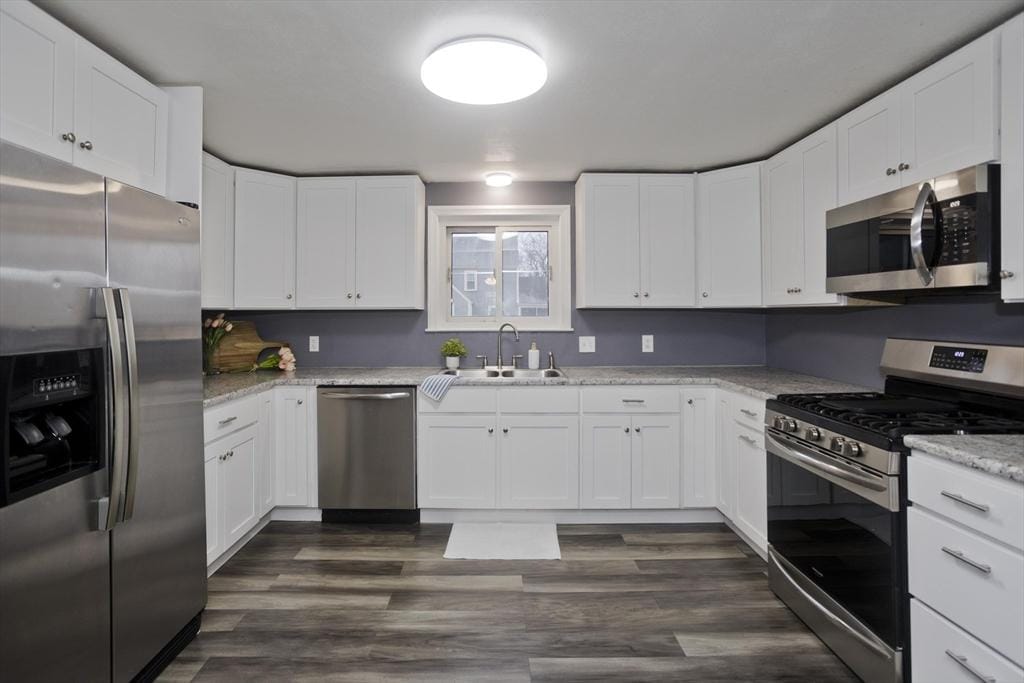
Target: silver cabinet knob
[689, 401]
[349, 295]
[358, 295]
[299, 402]
[636, 295]
[505, 430]
[647, 295]
[68, 137]
[797, 290]
[85, 145]
[890, 171]
[626, 429]
[1005, 274]
[287, 296]
[904, 166]
[490, 430]
[636, 429]
[704, 294]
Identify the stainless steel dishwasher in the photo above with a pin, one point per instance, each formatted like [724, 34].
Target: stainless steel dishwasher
[366, 453]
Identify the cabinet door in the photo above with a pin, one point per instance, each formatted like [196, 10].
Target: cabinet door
[239, 486]
[326, 242]
[608, 240]
[540, 461]
[655, 461]
[783, 179]
[389, 249]
[818, 156]
[292, 452]
[751, 506]
[698, 466]
[265, 452]
[729, 236]
[869, 149]
[668, 258]
[1012, 161]
[948, 113]
[605, 461]
[457, 461]
[120, 121]
[264, 240]
[37, 80]
[211, 472]
[725, 467]
[218, 233]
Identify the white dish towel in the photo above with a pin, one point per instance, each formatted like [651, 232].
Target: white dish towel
[502, 541]
[436, 386]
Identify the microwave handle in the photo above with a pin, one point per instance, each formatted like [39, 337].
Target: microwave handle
[925, 198]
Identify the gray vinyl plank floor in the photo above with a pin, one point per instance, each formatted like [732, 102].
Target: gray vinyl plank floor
[368, 603]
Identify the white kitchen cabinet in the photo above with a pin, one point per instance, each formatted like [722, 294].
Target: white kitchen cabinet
[326, 242]
[751, 503]
[798, 188]
[217, 245]
[211, 478]
[264, 240]
[37, 80]
[238, 493]
[635, 237]
[729, 236]
[457, 461]
[697, 487]
[265, 453]
[725, 465]
[539, 459]
[940, 120]
[606, 462]
[655, 461]
[1012, 161]
[294, 448]
[941, 651]
[390, 252]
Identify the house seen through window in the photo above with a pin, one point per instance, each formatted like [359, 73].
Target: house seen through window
[499, 272]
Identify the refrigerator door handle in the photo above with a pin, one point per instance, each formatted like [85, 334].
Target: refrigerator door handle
[134, 414]
[110, 509]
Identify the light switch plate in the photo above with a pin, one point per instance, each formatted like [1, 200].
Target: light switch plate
[314, 344]
[588, 344]
[647, 343]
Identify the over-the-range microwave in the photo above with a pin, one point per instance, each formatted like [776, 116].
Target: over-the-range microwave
[938, 234]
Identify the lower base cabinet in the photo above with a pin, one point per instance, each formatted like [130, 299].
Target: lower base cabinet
[751, 509]
[539, 462]
[231, 489]
[630, 461]
[293, 444]
[457, 461]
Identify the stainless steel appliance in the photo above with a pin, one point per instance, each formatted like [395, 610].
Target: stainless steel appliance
[102, 532]
[366, 451]
[943, 233]
[837, 499]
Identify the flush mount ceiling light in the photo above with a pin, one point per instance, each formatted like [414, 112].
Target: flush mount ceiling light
[498, 179]
[483, 71]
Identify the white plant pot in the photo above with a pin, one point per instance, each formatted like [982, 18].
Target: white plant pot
[452, 362]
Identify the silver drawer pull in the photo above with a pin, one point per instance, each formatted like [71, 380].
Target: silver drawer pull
[633, 400]
[751, 413]
[981, 507]
[392, 396]
[983, 568]
[962, 661]
[749, 440]
[228, 420]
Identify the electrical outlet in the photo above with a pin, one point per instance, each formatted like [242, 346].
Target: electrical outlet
[314, 344]
[588, 344]
[647, 343]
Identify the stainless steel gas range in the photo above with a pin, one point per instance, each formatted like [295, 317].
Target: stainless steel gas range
[837, 497]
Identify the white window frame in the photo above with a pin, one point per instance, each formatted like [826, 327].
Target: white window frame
[554, 219]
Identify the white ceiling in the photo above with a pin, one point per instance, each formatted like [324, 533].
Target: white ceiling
[322, 86]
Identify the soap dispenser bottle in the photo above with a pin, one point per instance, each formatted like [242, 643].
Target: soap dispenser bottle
[533, 356]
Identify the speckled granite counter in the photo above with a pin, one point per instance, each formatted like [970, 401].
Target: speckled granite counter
[757, 381]
[998, 454]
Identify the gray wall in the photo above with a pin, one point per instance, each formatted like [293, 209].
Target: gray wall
[846, 344]
[379, 338]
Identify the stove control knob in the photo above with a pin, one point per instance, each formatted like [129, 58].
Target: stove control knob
[778, 422]
[789, 425]
[837, 444]
[852, 449]
[812, 434]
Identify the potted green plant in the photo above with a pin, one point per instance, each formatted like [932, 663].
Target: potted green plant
[453, 349]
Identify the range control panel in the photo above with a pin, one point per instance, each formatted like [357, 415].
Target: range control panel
[49, 385]
[958, 358]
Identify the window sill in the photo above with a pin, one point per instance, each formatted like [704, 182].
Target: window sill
[494, 328]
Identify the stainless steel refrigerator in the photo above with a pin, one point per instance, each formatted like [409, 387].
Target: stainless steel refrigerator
[102, 531]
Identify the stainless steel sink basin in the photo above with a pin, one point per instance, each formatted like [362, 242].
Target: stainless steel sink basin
[508, 373]
[473, 373]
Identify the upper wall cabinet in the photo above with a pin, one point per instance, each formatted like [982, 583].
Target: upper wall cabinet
[729, 236]
[941, 119]
[218, 233]
[361, 242]
[1012, 158]
[264, 240]
[64, 97]
[798, 187]
[635, 240]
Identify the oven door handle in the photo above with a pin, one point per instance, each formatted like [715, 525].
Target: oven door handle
[925, 198]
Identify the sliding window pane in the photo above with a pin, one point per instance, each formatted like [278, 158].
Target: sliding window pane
[524, 281]
[473, 284]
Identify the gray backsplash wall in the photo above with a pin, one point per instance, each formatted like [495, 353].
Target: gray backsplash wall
[846, 343]
[380, 338]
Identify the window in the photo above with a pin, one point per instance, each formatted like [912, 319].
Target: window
[495, 264]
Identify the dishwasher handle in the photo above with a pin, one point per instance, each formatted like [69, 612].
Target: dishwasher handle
[393, 396]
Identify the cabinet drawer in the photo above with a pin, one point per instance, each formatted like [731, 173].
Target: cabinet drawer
[539, 400]
[973, 582]
[230, 417]
[747, 410]
[940, 651]
[993, 506]
[630, 399]
[461, 400]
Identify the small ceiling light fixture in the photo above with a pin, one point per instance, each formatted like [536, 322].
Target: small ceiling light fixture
[483, 71]
[498, 179]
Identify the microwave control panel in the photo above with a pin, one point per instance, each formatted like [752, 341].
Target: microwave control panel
[959, 232]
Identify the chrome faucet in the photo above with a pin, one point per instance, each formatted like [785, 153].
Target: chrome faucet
[500, 330]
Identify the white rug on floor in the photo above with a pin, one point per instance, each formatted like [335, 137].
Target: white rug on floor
[502, 541]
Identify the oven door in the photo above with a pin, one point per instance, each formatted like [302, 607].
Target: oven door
[836, 548]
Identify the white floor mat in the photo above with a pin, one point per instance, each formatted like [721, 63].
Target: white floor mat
[502, 541]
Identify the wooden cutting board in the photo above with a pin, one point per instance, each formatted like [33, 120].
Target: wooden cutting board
[242, 347]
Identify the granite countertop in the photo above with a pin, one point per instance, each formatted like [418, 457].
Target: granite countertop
[998, 454]
[757, 381]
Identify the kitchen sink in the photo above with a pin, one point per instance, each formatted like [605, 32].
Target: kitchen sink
[507, 373]
[473, 373]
